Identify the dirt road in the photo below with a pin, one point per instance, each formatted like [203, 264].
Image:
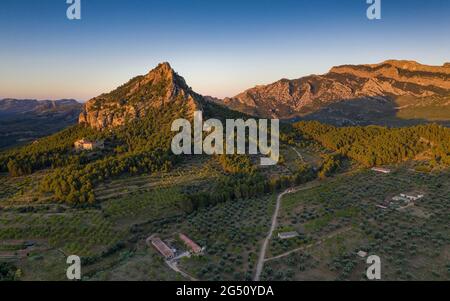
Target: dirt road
[262, 254]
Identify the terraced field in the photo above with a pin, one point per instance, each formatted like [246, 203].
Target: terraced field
[193, 172]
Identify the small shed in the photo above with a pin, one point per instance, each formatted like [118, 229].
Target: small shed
[362, 254]
[382, 170]
[287, 235]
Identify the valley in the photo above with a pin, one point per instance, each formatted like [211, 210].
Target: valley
[110, 190]
[335, 218]
[24, 121]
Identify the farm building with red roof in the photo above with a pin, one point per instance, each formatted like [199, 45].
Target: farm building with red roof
[192, 245]
[162, 248]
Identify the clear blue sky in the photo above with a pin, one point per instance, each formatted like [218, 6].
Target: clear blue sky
[220, 47]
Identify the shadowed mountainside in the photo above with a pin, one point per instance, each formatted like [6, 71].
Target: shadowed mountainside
[24, 120]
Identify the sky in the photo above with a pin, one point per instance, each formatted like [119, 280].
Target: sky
[220, 47]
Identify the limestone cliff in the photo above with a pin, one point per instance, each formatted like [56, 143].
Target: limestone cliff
[161, 87]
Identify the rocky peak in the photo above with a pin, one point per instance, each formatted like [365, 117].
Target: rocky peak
[160, 87]
[164, 72]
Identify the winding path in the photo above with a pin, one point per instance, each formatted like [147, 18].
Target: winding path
[262, 254]
[298, 154]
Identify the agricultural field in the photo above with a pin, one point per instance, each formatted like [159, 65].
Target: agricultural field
[142, 264]
[337, 219]
[334, 217]
[109, 236]
[293, 154]
[191, 172]
[231, 233]
[19, 190]
[103, 236]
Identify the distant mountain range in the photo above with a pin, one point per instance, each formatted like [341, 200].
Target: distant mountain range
[353, 94]
[23, 120]
[10, 106]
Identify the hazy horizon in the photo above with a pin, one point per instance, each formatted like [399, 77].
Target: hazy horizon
[220, 48]
[187, 80]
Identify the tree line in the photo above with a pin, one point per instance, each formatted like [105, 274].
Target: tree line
[75, 183]
[245, 185]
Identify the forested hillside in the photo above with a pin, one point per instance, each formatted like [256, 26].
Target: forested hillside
[375, 145]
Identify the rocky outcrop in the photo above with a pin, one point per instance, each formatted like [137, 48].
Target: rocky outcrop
[291, 98]
[161, 87]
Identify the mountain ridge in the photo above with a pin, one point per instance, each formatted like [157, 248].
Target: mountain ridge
[22, 106]
[384, 82]
[347, 94]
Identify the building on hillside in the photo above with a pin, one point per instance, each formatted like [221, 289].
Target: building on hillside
[163, 248]
[191, 244]
[382, 170]
[89, 145]
[287, 235]
[362, 254]
[403, 200]
[400, 198]
[414, 197]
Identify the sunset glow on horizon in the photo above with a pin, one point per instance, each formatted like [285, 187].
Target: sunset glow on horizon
[221, 48]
